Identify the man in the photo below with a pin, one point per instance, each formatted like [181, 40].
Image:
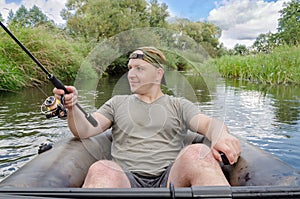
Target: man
[148, 128]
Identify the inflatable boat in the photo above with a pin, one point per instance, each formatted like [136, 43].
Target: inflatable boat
[60, 172]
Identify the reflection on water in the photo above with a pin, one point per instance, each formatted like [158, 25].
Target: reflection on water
[268, 117]
[23, 128]
[265, 116]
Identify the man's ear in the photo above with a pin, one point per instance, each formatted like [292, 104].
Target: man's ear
[160, 72]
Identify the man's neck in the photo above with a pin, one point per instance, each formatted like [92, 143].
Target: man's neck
[149, 98]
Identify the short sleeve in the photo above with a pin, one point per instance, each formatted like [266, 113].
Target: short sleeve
[108, 109]
[189, 110]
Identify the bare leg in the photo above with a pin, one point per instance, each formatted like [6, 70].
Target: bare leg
[196, 166]
[106, 174]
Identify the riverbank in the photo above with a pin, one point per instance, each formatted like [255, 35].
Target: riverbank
[281, 66]
[58, 53]
[63, 55]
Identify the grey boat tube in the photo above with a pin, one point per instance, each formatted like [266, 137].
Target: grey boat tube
[66, 164]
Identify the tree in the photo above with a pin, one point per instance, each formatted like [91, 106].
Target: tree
[36, 17]
[20, 17]
[204, 33]
[105, 18]
[289, 23]
[158, 14]
[10, 15]
[29, 18]
[240, 49]
[265, 42]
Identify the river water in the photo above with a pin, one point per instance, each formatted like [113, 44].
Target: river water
[266, 116]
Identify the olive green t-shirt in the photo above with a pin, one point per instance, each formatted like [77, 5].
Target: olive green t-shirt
[147, 137]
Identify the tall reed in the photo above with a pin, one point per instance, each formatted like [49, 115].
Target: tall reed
[282, 66]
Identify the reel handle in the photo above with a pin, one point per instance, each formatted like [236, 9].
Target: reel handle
[59, 85]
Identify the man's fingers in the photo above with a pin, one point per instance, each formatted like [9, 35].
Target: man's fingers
[69, 99]
[217, 155]
[58, 91]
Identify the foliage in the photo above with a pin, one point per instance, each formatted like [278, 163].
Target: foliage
[59, 55]
[11, 76]
[265, 43]
[289, 23]
[105, 18]
[157, 14]
[240, 50]
[205, 33]
[279, 67]
[288, 29]
[29, 18]
[92, 21]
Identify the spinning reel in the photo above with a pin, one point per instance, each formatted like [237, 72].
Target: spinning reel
[53, 107]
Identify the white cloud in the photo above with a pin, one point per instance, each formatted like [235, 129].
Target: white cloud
[50, 8]
[5, 8]
[243, 20]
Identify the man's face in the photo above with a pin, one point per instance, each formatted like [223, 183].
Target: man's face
[142, 75]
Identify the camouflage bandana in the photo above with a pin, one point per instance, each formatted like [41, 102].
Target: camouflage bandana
[150, 55]
[153, 56]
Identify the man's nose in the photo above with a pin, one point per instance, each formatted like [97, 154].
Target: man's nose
[131, 73]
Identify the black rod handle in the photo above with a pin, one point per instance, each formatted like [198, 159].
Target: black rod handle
[59, 85]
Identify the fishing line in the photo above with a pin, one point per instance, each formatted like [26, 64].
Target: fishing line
[42, 91]
[56, 82]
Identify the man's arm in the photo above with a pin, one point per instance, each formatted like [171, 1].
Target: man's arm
[217, 132]
[77, 122]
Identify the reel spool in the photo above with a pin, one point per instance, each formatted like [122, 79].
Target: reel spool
[53, 107]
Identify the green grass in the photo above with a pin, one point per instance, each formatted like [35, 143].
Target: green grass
[60, 55]
[282, 66]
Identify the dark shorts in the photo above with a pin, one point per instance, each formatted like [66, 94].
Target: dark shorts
[139, 181]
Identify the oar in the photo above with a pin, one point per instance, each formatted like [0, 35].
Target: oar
[56, 82]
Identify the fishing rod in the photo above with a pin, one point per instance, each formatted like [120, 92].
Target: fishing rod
[56, 82]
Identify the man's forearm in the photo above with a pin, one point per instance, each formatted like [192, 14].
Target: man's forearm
[79, 125]
[207, 126]
[215, 129]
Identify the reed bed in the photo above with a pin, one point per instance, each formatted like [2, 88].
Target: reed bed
[282, 66]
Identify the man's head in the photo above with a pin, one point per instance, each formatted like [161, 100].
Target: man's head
[146, 68]
[151, 55]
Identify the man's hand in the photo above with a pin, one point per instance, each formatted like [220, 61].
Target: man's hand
[70, 99]
[217, 132]
[229, 145]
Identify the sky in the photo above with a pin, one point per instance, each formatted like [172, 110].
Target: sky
[241, 21]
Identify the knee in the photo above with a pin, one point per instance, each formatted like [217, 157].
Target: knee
[197, 152]
[104, 167]
[105, 173]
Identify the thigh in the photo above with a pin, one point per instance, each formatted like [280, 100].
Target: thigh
[106, 173]
[189, 165]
